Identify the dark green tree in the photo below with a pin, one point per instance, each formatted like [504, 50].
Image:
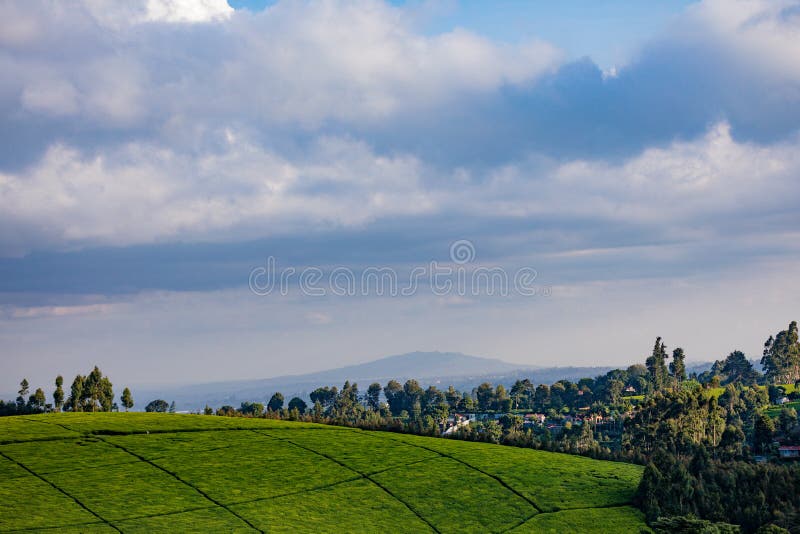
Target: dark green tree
[677, 367]
[255, 409]
[76, 394]
[324, 396]
[296, 403]
[373, 396]
[97, 392]
[226, 411]
[394, 396]
[38, 400]
[58, 394]
[541, 398]
[158, 405]
[485, 395]
[737, 368]
[106, 395]
[127, 399]
[763, 432]
[656, 366]
[275, 403]
[412, 397]
[22, 393]
[781, 358]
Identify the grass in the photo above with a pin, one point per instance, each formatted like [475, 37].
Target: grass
[368, 509]
[348, 448]
[775, 411]
[553, 481]
[163, 472]
[455, 498]
[602, 520]
[27, 501]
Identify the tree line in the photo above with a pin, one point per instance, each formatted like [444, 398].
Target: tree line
[92, 392]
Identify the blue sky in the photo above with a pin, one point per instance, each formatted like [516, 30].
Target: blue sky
[639, 156]
[610, 32]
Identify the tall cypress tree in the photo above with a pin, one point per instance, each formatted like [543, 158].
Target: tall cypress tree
[76, 394]
[22, 393]
[58, 394]
[657, 367]
[678, 366]
[781, 358]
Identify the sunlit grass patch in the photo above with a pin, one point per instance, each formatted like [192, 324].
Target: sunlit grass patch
[553, 481]
[357, 506]
[596, 520]
[454, 497]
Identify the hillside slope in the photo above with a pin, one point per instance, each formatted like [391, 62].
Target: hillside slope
[161, 472]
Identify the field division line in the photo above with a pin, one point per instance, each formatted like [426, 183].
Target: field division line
[75, 499]
[182, 481]
[490, 475]
[68, 525]
[600, 507]
[52, 424]
[325, 486]
[368, 477]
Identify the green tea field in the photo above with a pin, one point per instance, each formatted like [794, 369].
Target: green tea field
[139, 472]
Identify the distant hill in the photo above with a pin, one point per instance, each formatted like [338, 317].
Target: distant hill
[420, 365]
[431, 368]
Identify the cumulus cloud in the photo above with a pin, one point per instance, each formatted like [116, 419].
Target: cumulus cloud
[765, 33]
[296, 61]
[118, 14]
[171, 120]
[679, 184]
[361, 60]
[140, 193]
[711, 175]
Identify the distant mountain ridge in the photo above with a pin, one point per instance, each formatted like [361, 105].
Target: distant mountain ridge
[442, 369]
[420, 365]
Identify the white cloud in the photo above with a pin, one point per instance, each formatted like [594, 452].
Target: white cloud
[138, 193]
[709, 175]
[35, 312]
[188, 10]
[765, 33]
[214, 107]
[142, 193]
[304, 61]
[675, 186]
[113, 14]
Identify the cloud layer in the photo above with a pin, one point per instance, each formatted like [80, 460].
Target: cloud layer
[172, 145]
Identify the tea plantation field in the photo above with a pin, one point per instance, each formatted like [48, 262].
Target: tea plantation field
[177, 473]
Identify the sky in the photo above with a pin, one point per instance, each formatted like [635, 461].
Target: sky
[630, 168]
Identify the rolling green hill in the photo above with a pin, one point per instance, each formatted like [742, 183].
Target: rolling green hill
[163, 472]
